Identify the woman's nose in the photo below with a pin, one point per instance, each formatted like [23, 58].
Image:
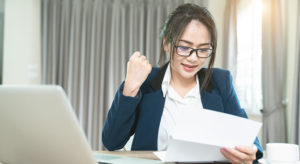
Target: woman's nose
[193, 56]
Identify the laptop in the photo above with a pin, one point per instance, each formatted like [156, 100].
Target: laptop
[38, 126]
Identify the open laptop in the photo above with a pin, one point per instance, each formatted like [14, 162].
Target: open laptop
[38, 126]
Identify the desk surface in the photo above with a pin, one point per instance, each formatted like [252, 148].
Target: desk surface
[142, 154]
[135, 154]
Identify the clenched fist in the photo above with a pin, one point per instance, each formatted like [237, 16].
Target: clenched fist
[138, 69]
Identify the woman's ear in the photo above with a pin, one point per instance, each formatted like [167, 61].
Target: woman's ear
[166, 46]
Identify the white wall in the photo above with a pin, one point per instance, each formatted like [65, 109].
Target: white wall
[22, 42]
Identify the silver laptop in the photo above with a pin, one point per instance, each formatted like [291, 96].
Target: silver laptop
[38, 126]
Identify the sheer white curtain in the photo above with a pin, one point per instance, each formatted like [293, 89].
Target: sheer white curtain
[86, 45]
[230, 37]
[248, 78]
[242, 50]
[1, 37]
[296, 106]
[274, 71]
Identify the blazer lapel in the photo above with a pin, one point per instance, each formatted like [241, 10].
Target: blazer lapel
[156, 81]
[209, 99]
[212, 101]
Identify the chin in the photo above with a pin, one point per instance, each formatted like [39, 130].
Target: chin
[188, 75]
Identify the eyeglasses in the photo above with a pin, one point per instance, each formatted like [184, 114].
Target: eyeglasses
[187, 51]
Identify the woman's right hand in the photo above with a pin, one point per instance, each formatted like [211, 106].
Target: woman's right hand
[138, 69]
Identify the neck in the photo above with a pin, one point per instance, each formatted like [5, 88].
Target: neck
[177, 80]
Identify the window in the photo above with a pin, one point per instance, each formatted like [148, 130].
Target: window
[248, 79]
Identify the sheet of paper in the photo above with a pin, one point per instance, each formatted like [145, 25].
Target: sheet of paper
[119, 159]
[199, 135]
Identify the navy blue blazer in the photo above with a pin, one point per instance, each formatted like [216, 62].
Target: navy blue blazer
[141, 115]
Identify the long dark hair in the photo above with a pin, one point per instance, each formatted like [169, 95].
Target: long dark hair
[175, 25]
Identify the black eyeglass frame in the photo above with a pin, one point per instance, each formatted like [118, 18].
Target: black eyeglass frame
[196, 50]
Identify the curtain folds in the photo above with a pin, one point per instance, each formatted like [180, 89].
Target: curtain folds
[86, 45]
[296, 106]
[230, 37]
[274, 71]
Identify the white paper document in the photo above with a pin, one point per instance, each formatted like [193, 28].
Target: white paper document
[199, 135]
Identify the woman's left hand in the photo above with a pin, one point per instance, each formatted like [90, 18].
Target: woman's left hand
[240, 154]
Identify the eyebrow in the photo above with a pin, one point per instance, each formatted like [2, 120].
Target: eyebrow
[188, 42]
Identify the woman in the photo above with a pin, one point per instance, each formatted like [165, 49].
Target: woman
[148, 100]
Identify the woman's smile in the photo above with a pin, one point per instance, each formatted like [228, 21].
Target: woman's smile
[188, 67]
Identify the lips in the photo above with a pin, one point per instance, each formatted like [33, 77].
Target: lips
[188, 67]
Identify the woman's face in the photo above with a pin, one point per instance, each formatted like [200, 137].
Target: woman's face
[195, 36]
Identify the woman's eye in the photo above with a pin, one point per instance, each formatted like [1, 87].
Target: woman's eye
[183, 48]
[203, 49]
